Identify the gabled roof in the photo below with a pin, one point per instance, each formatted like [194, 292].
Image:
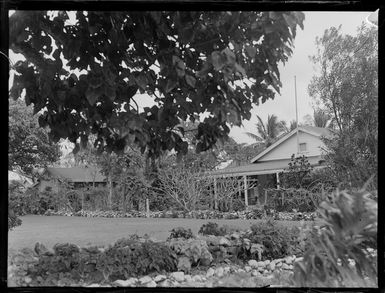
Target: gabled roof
[76, 174]
[312, 130]
[270, 167]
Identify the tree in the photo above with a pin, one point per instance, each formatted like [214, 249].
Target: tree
[219, 63]
[347, 87]
[268, 131]
[292, 126]
[320, 118]
[29, 146]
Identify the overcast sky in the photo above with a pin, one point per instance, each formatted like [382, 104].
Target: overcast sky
[298, 65]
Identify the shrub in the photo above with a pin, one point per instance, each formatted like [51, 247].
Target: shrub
[15, 204]
[278, 241]
[180, 232]
[122, 262]
[126, 258]
[298, 199]
[212, 229]
[238, 205]
[298, 173]
[191, 252]
[337, 255]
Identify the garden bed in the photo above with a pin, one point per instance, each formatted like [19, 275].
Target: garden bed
[202, 214]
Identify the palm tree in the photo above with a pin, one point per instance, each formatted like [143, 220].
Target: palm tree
[269, 131]
[293, 125]
[320, 118]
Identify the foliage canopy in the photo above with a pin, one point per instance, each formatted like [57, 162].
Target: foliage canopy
[81, 73]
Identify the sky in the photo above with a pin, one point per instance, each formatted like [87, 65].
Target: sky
[298, 65]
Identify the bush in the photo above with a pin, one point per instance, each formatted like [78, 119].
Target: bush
[180, 232]
[212, 229]
[15, 205]
[191, 252]
[337, 255]
[278, 241]
[301, 200]
[68, 264]
[135, 258]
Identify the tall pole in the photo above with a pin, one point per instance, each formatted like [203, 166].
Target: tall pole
[296, 111]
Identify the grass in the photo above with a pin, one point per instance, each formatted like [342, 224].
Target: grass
[82, 231]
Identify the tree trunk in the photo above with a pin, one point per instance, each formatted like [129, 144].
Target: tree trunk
[110, 193]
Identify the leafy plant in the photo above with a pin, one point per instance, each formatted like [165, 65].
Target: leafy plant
[346, 85]
[181, 232]
[136, 258]
[278, 241]
[122, 50]
[297, 174]
[212, 228]
[195, 250]
[338, 254]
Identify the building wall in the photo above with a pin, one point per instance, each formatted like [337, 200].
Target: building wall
[289, 147]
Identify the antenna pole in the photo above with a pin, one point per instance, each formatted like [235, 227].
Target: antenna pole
[296, 111]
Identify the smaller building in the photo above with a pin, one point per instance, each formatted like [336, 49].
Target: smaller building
[77, 177]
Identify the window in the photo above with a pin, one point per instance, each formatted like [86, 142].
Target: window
[302, 147]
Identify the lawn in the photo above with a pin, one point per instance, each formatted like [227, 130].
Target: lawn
[82, 231]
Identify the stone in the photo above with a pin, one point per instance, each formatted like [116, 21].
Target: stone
[151, 284]
[285, 266]
[165, 283]
[219, 272]
[197, 278]
[178, 276]
[265, 272]
[132, 281]
[210, 272]
[241, 271]
[224, 241]
[267, 262]
[278, 264]
[290, 267]
[121, 283]
[160, 278]
[288, 260]
[247, 269]
[93, 286]
[226, 270]
[145, 280]
[28, 280]
[253, 263]
[271, 266]
[261, 264]
[260, 269]
[255, 273]
[187, 278]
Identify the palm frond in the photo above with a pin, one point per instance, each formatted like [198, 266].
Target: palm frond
[253, 136]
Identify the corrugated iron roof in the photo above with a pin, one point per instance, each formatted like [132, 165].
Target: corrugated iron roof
[261, 168]
[77, 174]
